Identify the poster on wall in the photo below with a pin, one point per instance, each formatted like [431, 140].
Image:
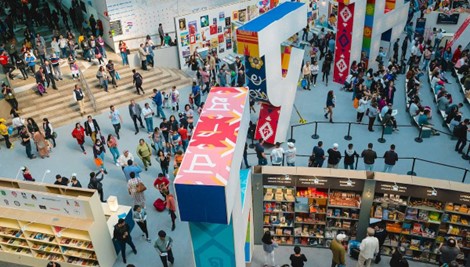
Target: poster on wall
[221, 48]
[38, 202]
[228, 44]
[182, 24]
[235, 15]
[214, 43]
[228, 22]
[213, 29]
[242, 15]
[184, 39]
[221, 38]
[204, 21]
[253, 12]
[192, 25]
[221, 16]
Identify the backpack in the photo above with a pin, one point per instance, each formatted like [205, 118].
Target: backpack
[457, 132]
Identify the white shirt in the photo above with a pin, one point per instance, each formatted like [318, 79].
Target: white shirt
[17, 122]
[369, 247]
[122, 160]
[290, 155]
[314, 69]
[276, 155]
[175, 96]
[147, 112]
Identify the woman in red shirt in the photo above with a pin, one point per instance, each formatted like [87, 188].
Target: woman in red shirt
[123, 49]
[161, 184]
[79, 134]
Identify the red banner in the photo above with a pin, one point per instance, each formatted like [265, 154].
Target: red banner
[267, 122]
[343, 42]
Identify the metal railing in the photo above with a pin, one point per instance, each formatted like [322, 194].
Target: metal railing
[87, 89]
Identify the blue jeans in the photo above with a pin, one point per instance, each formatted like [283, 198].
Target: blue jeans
[388, 168]
[160, 111]
[149, 123]
[124, 58]
[425, 66]
[105, 85]
[115, 152]
[349, 166]
[369, 167]
[102, 51]
[101, 156]
[185, 144]
[290, 164]
[86, 55]
[176, 148]
[64, 52]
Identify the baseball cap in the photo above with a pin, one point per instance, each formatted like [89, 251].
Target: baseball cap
[335, 145]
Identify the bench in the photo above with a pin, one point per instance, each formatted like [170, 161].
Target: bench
[426, 133]
[459, 77]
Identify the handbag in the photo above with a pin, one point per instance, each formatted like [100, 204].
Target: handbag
[140, 187]
[128, 51]
[118, 77]
[98, 162]
[98, 55]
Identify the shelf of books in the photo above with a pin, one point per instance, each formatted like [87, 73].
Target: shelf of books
[31, 238]
[309, 213]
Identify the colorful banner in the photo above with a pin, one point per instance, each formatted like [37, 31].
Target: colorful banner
[285, 59]
[459, 32]
[267, 122]
[256, 76]
[343, 42]
[247, 43]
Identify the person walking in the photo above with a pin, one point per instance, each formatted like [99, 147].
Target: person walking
[460, 131]
[319, 155]
[92, 128]
[48, 131]
[158, 100]
[98, 153]
[144, 152]
[297, 259]
[136, 189]
[140, 217]
[116, 119]
[78, 96]
[390, 158]
[268, 247]
[262, 159]
[147, 113]
[135, 112]
[350, 156]
[339, 253]
[112, 73]
[171, 206]
[164, 159]
[330, 104]
[103, 78]
[131, 166]
[326, 67]
[95, 183]
[122, 236]
[137, 80]
[369, 248]
[162, 184]
[112, 145]
[49, 75]
[369, 156]
[143, 56]
[124, 158]
[27, 174]
[79, 134]
[163, 245]
[334, 156]
[277, 155]
[372, 113]
[175, 99]
[4, 132]
[196, 94]
[291, 154]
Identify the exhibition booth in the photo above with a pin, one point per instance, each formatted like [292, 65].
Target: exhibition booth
[42, 222]
[310, 206]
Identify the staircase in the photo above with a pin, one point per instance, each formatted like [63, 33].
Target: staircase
[60, 108]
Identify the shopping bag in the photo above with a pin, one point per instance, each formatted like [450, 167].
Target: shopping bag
[10, 130]
[304, 83]
[118, 77]
[98, 162]
[159, 204]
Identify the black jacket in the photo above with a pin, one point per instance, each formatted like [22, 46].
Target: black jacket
[88, 128]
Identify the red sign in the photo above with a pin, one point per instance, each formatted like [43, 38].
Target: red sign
[267, 123]
[343, 42]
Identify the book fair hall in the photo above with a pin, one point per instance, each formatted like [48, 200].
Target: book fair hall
[234, 133]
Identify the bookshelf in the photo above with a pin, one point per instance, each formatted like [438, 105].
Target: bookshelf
[71, 231]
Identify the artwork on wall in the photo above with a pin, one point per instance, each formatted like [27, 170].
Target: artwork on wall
[253, 12]
[213, 29]
[235, 15]
[228, 43]
[219, 29]
[204, 21]
[222, 16]
[192, 25]
[228, 21]
[184, 39]
[192, 39]
[242, 15]
[214, 43]
[182, 24]
[221, 38]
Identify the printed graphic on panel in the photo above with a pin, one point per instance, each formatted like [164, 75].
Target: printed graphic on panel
[343, 42]
[256, 78]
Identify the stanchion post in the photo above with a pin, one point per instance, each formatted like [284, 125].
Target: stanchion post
[348, 136]
[315, 135]
[466, 156]
[412, 172]
[252, 145]
[464, 175]
[419, 139]
[382, 139]
[357, 161]
[291, 134]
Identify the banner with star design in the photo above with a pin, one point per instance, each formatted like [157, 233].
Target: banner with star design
[343, 42]
[267, 123]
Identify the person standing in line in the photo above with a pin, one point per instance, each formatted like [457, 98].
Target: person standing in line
[158, 100]
[144, 152]
[326, 67]
[306, 73]
[112, 73]
[122, 235]
[5, 134]
[79, 134]
[350, 156]
[369, 156]
[314, 68]
[112, 145]
[161, 33]
[116, 119]
[372, 113]
[140, 217]
[48, 130]
[460, 131]
[175, 99]
[95, 183]
[262, 160]
[319, 155]
[171, 206]
[369, 248]
[334, 156]
[363, 103]
[297, 259]
[135, 112]
[92, 129]
[391, 158]
[143, 56]
[98, 153]
[277, 155]
[183, 132]
[268, 247]
[330, 104]
[291, 154]
[134, 187]
[163, 245]
[78, 96]
[137, 80]
[148, 113]
[338, 251]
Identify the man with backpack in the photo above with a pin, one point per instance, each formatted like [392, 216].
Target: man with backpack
[460, 131]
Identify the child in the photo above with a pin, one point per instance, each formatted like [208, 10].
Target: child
[27, 175]
[73, 68]
[166, 102]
